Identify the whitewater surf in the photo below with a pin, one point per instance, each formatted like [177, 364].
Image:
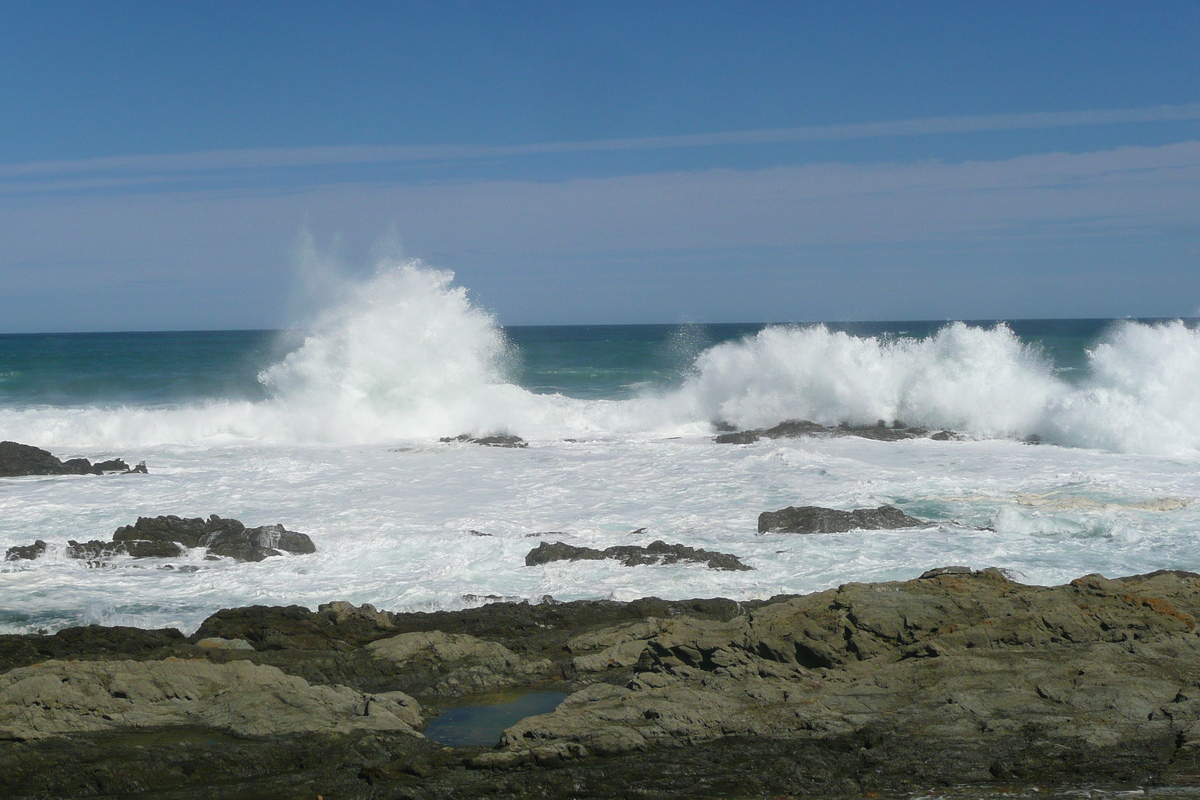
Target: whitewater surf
[333, 429]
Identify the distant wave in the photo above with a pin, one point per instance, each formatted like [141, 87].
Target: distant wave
[407, 355]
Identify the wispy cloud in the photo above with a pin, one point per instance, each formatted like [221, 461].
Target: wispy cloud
[221, 161]
[767, 236]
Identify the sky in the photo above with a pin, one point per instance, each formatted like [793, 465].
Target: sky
[173, 166]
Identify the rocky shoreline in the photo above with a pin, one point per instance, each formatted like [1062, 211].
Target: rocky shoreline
[959, 678]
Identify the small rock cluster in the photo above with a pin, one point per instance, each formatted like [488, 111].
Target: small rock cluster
[171, 536]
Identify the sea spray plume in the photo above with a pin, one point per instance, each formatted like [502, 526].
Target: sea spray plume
[1142, 393]
[982, 380]
[405, 353]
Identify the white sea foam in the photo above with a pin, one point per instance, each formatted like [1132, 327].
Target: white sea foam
[406, 355]
[394, 528]
[343, 450]
[1142, 394]
[966, 378]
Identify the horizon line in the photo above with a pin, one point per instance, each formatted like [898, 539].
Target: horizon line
[940, 321]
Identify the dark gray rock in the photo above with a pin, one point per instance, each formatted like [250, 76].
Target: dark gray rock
[171, 528]
[28, 551]
[658, 552]
[94, 550]
[255, 544]
[814, 519]
[795, 428]
[495, 440]
[227, 538]
[168, 536]
[22, 459]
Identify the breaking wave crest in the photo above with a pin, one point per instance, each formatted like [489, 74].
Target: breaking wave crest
[406, 355]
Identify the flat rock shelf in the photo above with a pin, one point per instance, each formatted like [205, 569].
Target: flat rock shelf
[959, 683]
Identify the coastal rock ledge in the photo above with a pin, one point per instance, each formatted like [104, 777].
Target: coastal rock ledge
[959, 678]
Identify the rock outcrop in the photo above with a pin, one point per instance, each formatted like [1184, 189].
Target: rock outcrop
[657, 552]
[228, 538]
[55, 698]
[815, 519]
[170, 536]
[960, 678]
[455, 664]
[1003, 675]
[796, 428]
[22, 459]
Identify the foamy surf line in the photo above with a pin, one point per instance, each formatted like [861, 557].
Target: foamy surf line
[406, 356]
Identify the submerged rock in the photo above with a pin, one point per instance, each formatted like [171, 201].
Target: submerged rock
[658, 552]
[795, 428]
[815, 519]
[22, 459]
[495, 440]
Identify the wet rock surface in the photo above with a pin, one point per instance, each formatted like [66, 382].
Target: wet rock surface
[23, 552]
[815, 519]
[18, 459]
[890, 689]
[170, 536]
[657, 552]
[495, 440]
[796, 428]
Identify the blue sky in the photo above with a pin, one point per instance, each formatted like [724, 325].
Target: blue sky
[163, 164]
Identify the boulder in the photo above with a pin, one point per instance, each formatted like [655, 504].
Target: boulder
[815, 519]
[657, 552]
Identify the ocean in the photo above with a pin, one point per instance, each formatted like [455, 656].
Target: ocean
[332, 429]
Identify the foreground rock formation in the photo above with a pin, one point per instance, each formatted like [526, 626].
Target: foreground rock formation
[170, 536]
[957, 678]
[22, 459]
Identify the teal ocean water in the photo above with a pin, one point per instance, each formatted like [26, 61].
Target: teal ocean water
[333, 429]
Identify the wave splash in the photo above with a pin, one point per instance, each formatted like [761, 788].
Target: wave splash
[406, 355]
[979, 380]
